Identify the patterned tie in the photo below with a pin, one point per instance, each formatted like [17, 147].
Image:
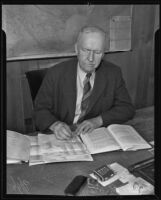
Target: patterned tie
[86, 94]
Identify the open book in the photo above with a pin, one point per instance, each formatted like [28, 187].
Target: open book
[114, 137]
[44, 148]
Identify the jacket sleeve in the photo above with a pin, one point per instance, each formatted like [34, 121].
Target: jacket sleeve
[43, 104]
[122, 108]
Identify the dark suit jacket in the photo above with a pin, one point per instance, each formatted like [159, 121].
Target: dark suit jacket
[56, 98]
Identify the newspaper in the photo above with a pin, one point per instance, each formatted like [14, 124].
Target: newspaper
[48, 149]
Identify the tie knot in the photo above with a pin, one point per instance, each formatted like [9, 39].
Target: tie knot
[88, 75]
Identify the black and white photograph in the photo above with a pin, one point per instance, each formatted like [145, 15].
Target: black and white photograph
[80, 100]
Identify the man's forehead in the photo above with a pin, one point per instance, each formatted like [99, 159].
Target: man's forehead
[93, 35]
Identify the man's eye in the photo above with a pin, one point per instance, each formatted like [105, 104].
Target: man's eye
[85, 50]
[98, 52]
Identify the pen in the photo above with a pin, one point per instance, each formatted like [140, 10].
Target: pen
[73, 128]
[22, 161]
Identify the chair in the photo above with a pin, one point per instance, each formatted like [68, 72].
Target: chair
[35, 79]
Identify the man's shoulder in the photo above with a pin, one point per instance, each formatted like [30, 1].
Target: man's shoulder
[61, 66]
[58, 70]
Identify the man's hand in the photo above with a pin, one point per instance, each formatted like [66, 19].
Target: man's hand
[61, 130]
[89, 125]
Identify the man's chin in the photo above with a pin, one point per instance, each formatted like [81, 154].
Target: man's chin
[90, 68]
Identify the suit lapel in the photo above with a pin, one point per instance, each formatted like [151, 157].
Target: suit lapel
[70, 88]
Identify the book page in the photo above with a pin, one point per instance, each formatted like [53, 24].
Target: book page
[99, 141]
[127, 137]
[18, 146]
[33, 140]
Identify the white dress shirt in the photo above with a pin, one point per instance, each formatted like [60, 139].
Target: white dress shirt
[81, 75]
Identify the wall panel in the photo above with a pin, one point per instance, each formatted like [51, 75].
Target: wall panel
[15, 109]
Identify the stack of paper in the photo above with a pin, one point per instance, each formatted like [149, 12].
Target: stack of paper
[45, 149]
[18, 147]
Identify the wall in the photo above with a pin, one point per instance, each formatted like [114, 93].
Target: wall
[137, 67]
[38, 30]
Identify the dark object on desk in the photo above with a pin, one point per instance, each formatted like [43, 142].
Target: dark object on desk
[35, 79]
[144, 169]
[73, 188]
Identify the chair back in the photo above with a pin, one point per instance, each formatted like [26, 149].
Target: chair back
[35, 78]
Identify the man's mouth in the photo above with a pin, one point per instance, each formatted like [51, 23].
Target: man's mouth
[90, 65]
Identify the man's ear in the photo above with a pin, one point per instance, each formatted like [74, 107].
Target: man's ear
[103, 55]
[76, 48]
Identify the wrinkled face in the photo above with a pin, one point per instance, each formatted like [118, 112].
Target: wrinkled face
[90, 50]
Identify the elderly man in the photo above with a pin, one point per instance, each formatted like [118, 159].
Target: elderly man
[83, 93]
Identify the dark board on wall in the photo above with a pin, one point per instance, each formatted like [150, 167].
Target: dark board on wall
[38, 30]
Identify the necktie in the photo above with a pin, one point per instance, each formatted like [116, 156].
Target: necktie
[86, 95]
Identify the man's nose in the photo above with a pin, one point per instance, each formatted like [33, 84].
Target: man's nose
[91, 56]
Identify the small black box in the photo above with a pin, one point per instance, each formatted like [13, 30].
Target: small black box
[104, 173]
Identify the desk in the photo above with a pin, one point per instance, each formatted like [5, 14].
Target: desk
[52, 178]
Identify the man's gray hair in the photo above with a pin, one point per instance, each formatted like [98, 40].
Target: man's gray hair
[91, 29]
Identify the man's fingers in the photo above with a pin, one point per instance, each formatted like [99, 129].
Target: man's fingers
[84, 127]
[62, 131]
[87, 129]
[79, 129]
[61, 135]
[65, 132]
[67, 128]
[58, 136]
